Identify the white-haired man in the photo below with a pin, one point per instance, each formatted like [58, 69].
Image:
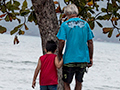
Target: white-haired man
[79, 47]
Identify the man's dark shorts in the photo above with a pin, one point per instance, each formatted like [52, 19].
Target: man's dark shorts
[74, 68]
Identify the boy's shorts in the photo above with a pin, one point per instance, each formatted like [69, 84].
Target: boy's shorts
[48, 87]
[73, 68]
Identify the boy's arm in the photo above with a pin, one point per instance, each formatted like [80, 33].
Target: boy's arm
[36, 73]
[58, 63]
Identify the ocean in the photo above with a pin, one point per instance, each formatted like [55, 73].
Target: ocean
[18, 62]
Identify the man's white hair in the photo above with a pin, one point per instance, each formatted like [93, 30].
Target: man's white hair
[71, 9]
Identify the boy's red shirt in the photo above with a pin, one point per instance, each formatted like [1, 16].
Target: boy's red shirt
[48, 73]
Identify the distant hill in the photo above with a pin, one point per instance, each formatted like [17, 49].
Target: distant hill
[34, 31]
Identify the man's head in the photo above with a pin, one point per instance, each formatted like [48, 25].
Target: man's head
[71, 9]
[51, 46]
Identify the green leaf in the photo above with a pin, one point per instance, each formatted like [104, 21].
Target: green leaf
[14, 17]
[3, 9]
[2, 29]
[97, 6]
[103, 10]
[66, 0]
[24, 6]
[110, 7]
[19, 20]
[19, 26]
[100, 18]
[16, 29]
[13, 31]
[30, 17]
[9, 5]
[7, 18]
[34, 18]
[107, 17]
[99, 24]
[16, 3]
[16, 13]
[25, 12]
[60, 15]
[92, 24]
[21, 32]
[110, 33]
[88, 14]
[13, 7]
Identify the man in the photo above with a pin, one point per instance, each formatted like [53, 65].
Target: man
[79, 47]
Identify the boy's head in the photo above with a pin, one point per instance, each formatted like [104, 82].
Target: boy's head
[51, 46]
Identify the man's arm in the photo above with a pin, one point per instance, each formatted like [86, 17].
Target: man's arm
[90, 47]
[60, 48]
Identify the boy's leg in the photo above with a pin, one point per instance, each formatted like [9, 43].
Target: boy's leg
[52, 87]
[43, 88]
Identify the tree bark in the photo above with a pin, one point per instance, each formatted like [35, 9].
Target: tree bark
[48, 26]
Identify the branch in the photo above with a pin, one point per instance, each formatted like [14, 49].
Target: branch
[24, 20]
[98, 14]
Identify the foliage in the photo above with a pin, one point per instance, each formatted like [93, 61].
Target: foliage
[90, 11]
[11, 10]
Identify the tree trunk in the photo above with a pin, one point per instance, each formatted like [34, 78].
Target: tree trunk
[48, 25]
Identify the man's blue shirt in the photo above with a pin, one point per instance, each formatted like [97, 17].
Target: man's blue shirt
[76, 32]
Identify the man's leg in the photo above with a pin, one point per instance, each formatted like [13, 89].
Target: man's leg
[79, 78]
[66, 86]
[78, 85]
[68, 73]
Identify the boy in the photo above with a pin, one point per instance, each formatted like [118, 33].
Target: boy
[47, 65]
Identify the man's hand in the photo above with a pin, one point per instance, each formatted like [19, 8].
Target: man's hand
[33, 84]
[90, 64]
